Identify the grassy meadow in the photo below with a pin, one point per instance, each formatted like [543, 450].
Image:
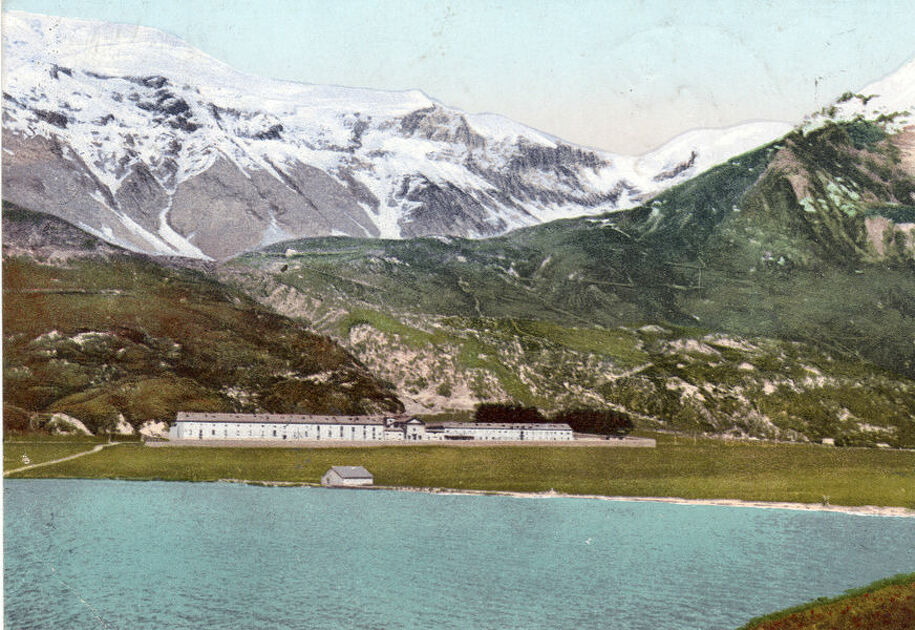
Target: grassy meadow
[679, 467]
[884, 605]
[42, 450]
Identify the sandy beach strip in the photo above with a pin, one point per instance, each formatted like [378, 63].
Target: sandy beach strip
[859, 510]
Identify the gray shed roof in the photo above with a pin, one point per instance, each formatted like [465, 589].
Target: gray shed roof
[351, 472]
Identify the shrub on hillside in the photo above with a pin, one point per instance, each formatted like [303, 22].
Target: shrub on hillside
[15, 419]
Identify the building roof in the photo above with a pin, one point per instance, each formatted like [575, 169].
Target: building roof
[351, 472]
[277, 418]
[500, 425]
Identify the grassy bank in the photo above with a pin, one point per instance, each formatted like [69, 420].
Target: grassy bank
[679, 467]
[40, 447]
[885, 605]
[39, 452]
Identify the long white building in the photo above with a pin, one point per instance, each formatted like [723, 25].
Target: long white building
[270, 426]
[266, 426]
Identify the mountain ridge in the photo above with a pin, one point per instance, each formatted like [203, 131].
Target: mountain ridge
[136, 140]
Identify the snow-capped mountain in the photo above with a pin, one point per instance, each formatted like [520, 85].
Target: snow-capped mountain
[151, 144]
[890, 101]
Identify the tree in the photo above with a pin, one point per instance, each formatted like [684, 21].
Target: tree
[507, 413]
[590, 420]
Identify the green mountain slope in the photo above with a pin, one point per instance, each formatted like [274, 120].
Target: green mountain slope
[802, 250]
[108, 337]
[806, 239]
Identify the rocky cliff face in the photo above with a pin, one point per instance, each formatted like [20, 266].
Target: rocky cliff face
[147, 143]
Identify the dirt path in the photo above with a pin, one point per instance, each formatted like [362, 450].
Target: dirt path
[57, 461]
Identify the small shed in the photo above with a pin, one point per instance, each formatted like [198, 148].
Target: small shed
[347, 476]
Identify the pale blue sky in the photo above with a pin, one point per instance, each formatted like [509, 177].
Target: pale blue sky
[620, 75]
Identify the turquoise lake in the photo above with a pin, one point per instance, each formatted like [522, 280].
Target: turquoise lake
[117, 554]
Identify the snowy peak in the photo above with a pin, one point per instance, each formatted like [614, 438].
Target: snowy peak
[700, 149]
[153, 145]
[889, 101]
[103, 48]
[126, 50]
[896, 91]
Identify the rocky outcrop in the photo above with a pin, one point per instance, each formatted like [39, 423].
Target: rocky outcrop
[142, 197]
[247, 210]
[45, 173]
[61, 423]
[435, 209]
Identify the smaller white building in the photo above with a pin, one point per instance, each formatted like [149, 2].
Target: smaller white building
[540, 432]
[413, 429]
[347, 476]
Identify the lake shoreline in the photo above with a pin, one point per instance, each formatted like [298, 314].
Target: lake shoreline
[798, 478]
[859, 510]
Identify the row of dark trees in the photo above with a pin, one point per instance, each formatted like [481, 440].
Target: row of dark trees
[581, 419]
[514, 414]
